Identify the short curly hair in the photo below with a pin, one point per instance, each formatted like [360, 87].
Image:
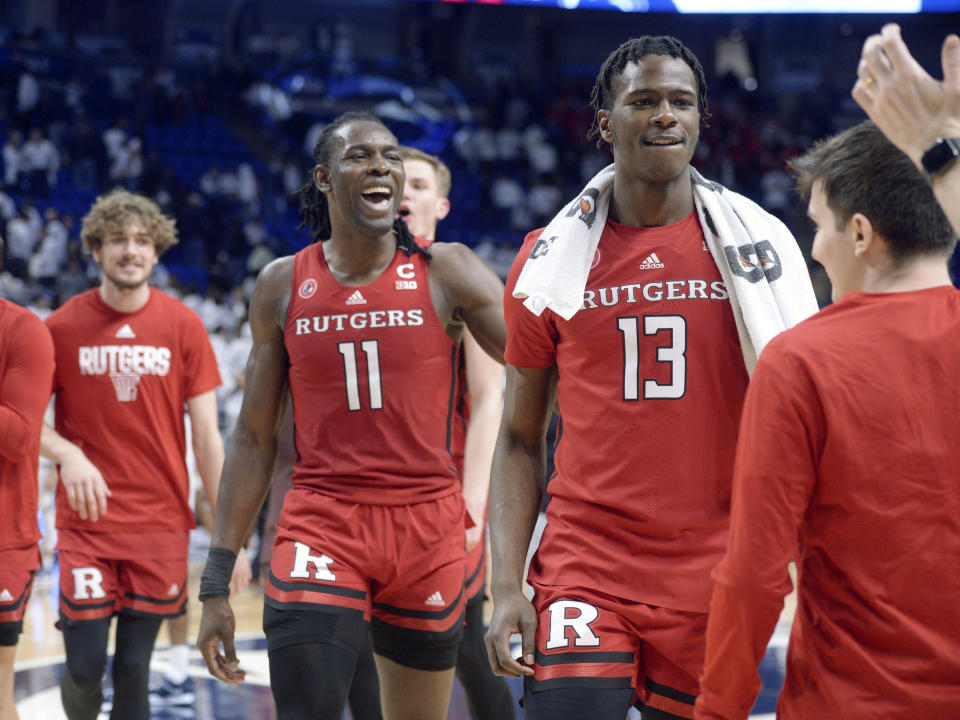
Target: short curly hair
[111, 212]
[634, 50]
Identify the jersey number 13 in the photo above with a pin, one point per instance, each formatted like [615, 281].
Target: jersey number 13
[674, 354]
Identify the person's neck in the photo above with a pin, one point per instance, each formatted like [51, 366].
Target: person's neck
[358, 259]
[124, 300]
[921, 273]
[644, 204]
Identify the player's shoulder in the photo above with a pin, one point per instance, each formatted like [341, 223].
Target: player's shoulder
[451, 259]
[72, 310]
[526, 248]
[20, 318]
[811, 337]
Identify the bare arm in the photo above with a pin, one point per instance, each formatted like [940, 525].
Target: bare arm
[519, 463]
[485, 385]
[249, 460]
[208, 449]
[911, 107]
[87, 491]
[466, 290]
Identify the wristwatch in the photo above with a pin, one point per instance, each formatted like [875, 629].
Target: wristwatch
[940, 156]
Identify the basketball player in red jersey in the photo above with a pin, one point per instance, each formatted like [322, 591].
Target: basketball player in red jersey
[363, 327]
[129, 359]
[637, 516]
[425, 202]
[848, 461]
[26, 369]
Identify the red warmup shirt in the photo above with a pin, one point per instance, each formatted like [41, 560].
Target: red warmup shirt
[651, 385]
[26, 367]
[373, 381]
[121, 385]
[849, 461]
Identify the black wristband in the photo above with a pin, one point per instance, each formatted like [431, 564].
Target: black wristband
[215, 580]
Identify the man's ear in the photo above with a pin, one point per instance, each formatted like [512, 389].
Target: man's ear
[603, 122]
[443, 208]
[864, 235]
[321, 178]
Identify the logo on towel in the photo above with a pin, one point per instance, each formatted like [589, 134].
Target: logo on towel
[754, 262]
[586, 207]
[542, 247]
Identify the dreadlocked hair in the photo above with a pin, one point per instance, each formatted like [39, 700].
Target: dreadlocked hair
[633, 50]
[313, 203]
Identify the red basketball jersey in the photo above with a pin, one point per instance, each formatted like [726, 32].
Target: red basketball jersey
[121, 383]
[373, 380]
[651, 385]
[26, 367]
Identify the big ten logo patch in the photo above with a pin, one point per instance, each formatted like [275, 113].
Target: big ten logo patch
[88, 584]
[406, 273]
[304, 559]
[570, 619]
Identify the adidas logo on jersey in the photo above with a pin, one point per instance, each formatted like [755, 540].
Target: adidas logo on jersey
[356, 299]
[5, 596]
[651, 263]
[435, 599]
[125, 332]
[174, 590]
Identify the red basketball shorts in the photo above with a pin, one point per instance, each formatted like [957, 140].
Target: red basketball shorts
[149, 580]
[18, 567]
[400, 564]
[585, 636]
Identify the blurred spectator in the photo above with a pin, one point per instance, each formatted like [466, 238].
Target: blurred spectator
[28, 95]
[8, 208]
[21, 240]
[115, 138]
[12, 159]
[40, 162]
[51, 254]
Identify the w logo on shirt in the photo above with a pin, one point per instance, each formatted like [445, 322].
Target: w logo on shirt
[652, 262]
[126, 387]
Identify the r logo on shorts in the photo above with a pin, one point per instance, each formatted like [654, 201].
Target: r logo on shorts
[573, 615]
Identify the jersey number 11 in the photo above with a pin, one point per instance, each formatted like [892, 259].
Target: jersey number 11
[372, 351]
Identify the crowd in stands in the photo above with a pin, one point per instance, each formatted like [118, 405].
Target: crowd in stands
[227, 168]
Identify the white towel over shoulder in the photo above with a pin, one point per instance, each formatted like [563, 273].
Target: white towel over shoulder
[759, 261]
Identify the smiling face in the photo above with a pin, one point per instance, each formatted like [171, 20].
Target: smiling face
[126, 255]
[364, 180]
[653, 123]
[422, 207]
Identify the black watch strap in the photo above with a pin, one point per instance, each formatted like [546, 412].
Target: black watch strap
[940, 156]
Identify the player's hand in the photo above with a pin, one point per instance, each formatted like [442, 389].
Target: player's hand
[242, 574]
[217, 625]
[512, 613]
[87, 491]
[474, 535]
[907, 104]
